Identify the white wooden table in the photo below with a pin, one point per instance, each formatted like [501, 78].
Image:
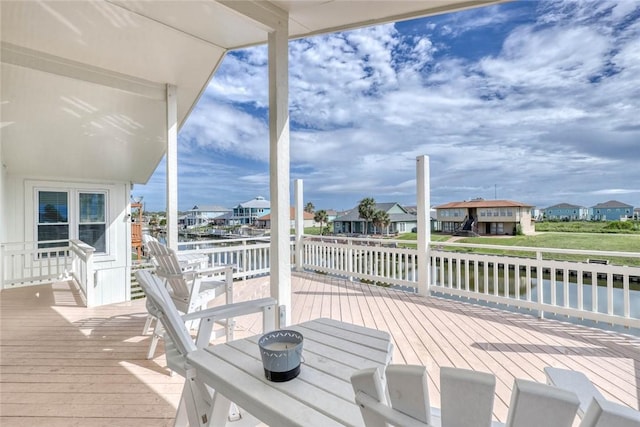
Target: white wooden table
[320, 396]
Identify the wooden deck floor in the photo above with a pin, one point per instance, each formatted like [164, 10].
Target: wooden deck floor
[64, 365]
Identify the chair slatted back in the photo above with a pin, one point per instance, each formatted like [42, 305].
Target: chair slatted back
[604, 413]
[367, 382]
[535, 404]
[169, 268]
[408, 391]
[466, 397]
[160, 305]
[405, 401]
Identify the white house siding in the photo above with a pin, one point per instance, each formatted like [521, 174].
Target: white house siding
[113, 281]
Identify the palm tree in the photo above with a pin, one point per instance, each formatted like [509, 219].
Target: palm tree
[381, 219]
[309, 207]
[366, 209]
[321, 217]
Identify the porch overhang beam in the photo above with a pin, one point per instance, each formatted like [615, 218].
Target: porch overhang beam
[40, 61]
[264, 14]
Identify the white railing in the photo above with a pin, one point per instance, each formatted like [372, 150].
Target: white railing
[528, 279]
[567, 287]
[82, 269]
[372, 260]
[249, 256]
[24, 263]
[589, 289]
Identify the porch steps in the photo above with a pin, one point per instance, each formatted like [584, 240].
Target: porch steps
[136, 290]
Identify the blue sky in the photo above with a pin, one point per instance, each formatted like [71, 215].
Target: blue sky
[534, 101]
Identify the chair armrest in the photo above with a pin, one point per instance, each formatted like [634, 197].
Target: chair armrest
[189, 274]
[208, 317]
[212, 270]
[576, 382]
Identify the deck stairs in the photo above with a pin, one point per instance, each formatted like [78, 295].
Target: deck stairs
[467, 228]
[136, 290]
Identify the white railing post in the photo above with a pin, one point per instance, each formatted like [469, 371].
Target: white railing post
[350, 259]
[172, 167]
[540, 283]
[90, 277]
[299, 222]
[424, 224]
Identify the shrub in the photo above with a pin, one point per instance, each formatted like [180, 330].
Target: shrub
[619, 225]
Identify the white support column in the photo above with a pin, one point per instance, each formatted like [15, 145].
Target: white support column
[172, 167]
[299, 193]
[424, 224]
[279, 167]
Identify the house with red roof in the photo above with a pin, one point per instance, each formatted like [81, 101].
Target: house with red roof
[485, 217]
[308, 221]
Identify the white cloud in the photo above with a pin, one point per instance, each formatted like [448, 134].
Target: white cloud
[222, 128]
[550, 117]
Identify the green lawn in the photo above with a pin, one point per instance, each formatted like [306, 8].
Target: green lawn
[626, 227]
[607, 242]
[599, 242]
[434, 237]
[569, 240]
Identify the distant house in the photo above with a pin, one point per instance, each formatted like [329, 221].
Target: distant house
[566, 212]
[435, 224]
[202, 215]
[400, 221]
[485, 217]
[636, 214]
[222, 220]
[611, 211]
[248, 212]
[331, 214]
[537, 214]
[265, 220]
[412, 209]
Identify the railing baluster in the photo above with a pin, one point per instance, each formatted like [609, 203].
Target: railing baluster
[626, 297]
[496, 269]
[552, 279]
[594, 291]
[609, 293]
[580, 290]
[566, 287]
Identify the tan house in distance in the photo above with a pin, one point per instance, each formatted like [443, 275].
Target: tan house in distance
[265, 220]
[485, 217]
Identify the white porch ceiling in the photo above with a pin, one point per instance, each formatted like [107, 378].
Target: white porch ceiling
[82, 86]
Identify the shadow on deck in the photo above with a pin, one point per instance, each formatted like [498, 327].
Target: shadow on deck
[65, 365]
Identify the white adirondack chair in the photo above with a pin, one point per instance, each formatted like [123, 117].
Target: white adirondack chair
[190, 290]
[405, 401]
[151, 248]
[535, 404]
[604, 413]
[197, 400]
[466, 397]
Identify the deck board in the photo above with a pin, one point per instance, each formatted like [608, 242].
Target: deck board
[66, 365]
